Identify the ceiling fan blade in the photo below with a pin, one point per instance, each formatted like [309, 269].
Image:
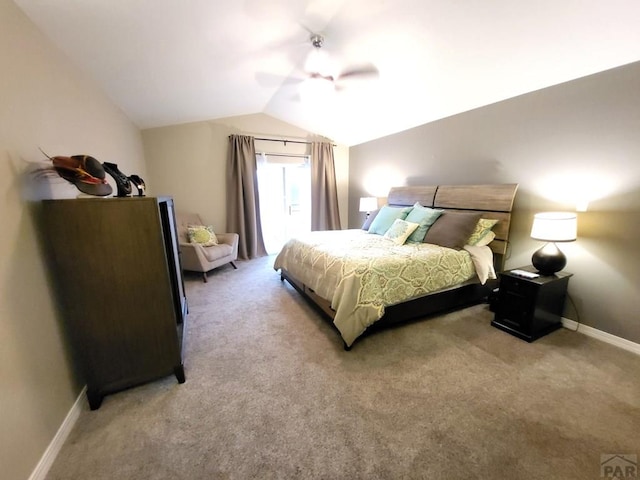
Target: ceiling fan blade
[328, 78]
[368, 71]
[306, 28]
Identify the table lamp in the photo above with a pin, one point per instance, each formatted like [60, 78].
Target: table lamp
[552, 227]
[368, 204]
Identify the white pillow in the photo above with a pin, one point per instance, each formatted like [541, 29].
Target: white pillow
[400, 230]
[482, 258]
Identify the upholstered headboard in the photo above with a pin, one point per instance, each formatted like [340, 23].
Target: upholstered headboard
[492, 201]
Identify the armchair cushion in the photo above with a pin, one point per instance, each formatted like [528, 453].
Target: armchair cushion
[213, 254]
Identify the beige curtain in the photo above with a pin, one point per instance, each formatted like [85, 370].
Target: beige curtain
[243, 203]
[324, 192]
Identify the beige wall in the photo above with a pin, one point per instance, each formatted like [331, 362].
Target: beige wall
[44, 102]
[578, 139]
[189, 161]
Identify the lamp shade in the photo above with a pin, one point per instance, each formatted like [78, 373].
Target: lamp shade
[368, 204]
[554, 226]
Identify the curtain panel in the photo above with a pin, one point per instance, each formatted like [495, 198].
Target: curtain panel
[325, 214]
[243, 202]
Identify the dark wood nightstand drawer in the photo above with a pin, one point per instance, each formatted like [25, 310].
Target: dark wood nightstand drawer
[518, 286]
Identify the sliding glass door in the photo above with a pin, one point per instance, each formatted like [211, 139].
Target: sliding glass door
[284, 185]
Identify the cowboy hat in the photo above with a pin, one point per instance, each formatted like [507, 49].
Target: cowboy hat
[85, 172]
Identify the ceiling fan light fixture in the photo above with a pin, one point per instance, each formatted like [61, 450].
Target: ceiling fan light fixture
[318, 62]
[316, 89]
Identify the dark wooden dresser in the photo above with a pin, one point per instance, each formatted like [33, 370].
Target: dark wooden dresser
[116, 269]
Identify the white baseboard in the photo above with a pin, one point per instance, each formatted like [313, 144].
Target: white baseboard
[602, 336]
[50, 454]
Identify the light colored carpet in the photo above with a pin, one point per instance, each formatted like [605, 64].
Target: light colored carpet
[270, 394]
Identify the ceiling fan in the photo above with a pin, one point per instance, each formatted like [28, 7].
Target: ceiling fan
[322, 79]
[319, 78]
[319, 66]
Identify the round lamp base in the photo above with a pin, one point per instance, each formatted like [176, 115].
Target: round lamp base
[549, 259]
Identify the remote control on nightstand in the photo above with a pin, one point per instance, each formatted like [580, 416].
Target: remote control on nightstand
[525, 274]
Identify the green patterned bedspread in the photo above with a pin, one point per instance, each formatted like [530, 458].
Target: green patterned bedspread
[362, 273]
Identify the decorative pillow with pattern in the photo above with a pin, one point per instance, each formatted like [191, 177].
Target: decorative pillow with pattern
[486, 239]
[400, 231]
[483, 226]
[202, 234]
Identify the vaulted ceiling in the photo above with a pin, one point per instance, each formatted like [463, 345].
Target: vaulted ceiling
[166, 62]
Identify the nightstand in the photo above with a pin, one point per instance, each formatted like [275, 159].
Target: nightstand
[530, 308]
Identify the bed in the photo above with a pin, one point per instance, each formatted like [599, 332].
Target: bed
[364, 282]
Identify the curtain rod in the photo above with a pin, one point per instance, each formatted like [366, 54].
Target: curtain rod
[285, 141]
[294, 155]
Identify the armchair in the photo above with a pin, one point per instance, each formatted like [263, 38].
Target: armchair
[197, 258]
